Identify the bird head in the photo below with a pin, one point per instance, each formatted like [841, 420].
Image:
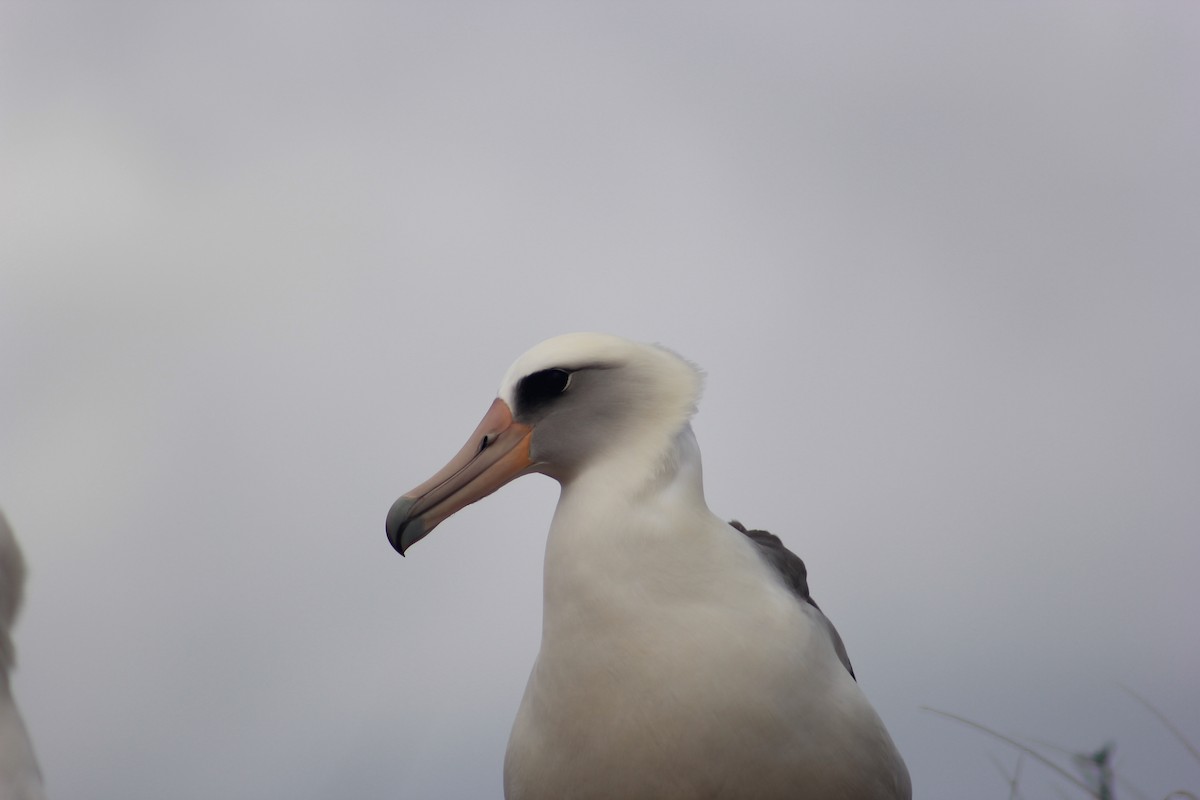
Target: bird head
[566, 406]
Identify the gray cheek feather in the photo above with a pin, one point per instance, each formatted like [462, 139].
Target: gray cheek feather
[583, 421]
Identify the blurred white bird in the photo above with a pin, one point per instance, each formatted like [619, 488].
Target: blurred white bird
[20, 777]
[682, 656]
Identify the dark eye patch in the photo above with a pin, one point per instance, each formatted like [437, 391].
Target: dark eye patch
[538, 389]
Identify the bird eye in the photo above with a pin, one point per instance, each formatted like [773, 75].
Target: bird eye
[541, 387]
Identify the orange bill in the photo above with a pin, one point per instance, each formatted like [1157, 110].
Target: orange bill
[497, 452]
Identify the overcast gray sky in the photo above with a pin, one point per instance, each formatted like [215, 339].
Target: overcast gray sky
[263, 265]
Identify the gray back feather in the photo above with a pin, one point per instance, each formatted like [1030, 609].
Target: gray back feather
[12, 585]
[795, 575]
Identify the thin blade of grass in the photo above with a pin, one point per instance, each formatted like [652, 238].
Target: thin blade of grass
[1130, 788]
[1014, 780]
[1124, 784]
[1191, 748]
[1034, 754]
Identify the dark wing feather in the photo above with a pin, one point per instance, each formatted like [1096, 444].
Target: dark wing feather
[791, 568]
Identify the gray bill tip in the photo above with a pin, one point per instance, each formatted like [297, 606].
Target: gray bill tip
[402, 530]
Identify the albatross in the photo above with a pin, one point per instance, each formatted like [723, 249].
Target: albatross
[682, 656]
